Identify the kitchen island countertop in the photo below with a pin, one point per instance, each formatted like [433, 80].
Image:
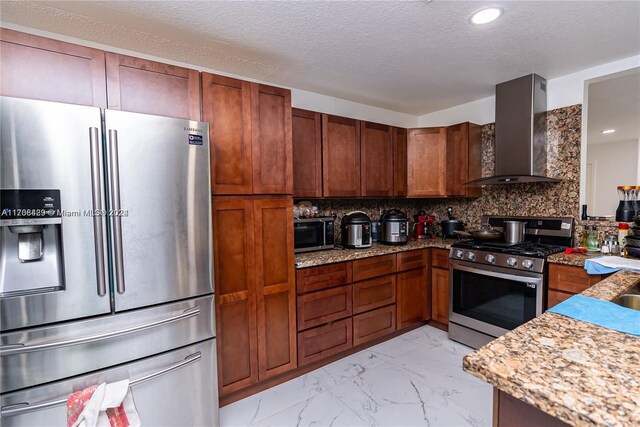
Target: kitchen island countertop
[575, 259]
[578, 372]
[312, 259]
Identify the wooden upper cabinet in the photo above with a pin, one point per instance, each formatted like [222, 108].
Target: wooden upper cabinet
[307, 153]
[426, 165]
[399, 162]
[275, 286]
[464, 156]
[340, 156]
[227, 108]
[377, 161]
[149, 87]
[233, 253]
[271, 140]
[50, 70]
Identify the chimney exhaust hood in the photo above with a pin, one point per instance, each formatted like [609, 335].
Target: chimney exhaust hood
[521, 132]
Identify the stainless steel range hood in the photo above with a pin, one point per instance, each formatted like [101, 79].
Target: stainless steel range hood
[521, 132]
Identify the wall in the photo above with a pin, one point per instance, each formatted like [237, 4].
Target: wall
[614, 164]
[561, 92]
[541, 199]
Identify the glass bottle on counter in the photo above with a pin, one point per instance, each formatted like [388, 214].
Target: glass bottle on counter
[592, 239]
[623, 232]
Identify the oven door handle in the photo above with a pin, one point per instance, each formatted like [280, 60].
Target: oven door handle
[522, 279]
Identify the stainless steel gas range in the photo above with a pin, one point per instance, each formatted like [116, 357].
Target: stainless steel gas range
[497, 286]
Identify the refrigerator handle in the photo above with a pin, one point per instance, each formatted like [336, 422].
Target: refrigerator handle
[21, 348]
[96, 188]
[25, 407]
[116, 221]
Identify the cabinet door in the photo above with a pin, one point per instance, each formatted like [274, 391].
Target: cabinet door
[412, 259]
[50, 70]
[374, 324]
[236, 330]
[412, 297]
[275, 286]
[149, 87]
[323, 341]
[399, 162]
[367, 268]
[307, 153]
[227, 108]
[464, 163]
[317, 308]
[271, 149]
[374, 293]
[571, 279]
[323, 277]
[426, 162]
[340, 156]
[440, 295]
[376, 155]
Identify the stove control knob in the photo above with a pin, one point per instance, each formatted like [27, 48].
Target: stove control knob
[527, 263]
[471, 256]
[511, 262]
[490, 259]
[459, 254]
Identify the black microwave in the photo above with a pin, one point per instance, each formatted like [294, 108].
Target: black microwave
[313, 234]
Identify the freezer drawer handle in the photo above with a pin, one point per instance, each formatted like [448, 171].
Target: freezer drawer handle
[25, 407]
[19, 348]
[116, 221]
[96, 188]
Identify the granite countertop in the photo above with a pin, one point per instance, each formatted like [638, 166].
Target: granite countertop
[573, 259]
[578, 372]
[312, 259]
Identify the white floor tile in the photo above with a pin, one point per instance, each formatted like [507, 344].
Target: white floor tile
[413, 379]
[264, 404]
[356, 364]
[323, 409]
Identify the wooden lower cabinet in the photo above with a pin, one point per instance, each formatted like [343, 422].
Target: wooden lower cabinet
[367, 268]
[511, 412]
[324, 341]
[412, 297]
[568, 280]
[323, 277]
[255, 290]
[374, 293]
[440, 295]
[317, 308]
[374, 324]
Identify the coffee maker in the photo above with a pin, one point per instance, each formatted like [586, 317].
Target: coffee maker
[627, 207]
[423, 226]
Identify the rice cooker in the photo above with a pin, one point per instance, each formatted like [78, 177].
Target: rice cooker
[355, 229]
[394, 228]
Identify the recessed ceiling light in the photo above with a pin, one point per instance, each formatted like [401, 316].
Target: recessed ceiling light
[485, 16]
[608, 131]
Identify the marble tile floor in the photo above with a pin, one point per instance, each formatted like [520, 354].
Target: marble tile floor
[415, 379]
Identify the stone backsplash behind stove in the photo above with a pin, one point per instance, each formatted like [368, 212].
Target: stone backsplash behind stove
[540, 199]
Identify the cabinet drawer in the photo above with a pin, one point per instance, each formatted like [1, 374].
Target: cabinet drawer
[323, 277]
[374, 293]
[324, 306]
[373, 267]
[440, 258]
[374, 324]
[323, 341]
[412, 259]
[570, 279]
[556, 297]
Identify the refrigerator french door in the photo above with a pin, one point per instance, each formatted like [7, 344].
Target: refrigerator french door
[105, 261]
[57, 197]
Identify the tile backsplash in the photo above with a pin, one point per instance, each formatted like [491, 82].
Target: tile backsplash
[540, 199]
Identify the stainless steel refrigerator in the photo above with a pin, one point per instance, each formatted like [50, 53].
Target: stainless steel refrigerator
[105, 262]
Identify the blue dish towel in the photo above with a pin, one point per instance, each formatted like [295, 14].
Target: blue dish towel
[593, 267]
[601, 313]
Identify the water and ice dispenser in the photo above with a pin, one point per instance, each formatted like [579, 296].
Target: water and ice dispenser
[31, 253]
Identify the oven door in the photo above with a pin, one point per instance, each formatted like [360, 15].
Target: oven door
[493, 300]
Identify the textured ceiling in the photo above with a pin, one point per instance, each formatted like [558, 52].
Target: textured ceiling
[408, 56]
[614, 104]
